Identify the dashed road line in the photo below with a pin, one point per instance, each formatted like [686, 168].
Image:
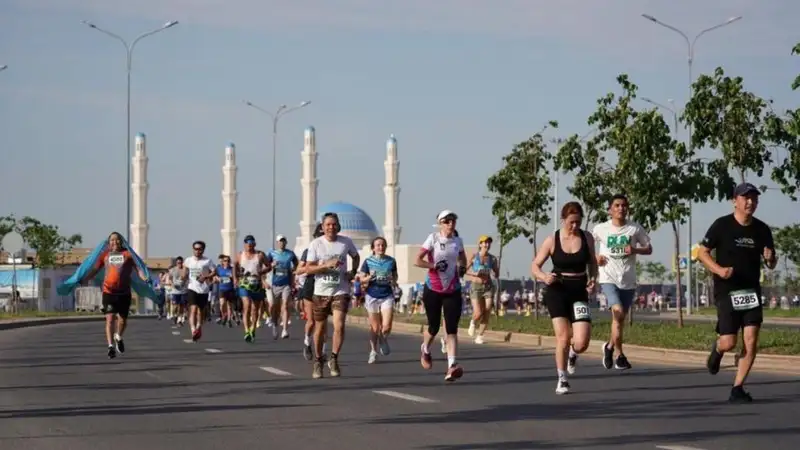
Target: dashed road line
[276, 371]
[409, 397]
[176, 333]
[188, 341]
[213, 350]
[677, 447]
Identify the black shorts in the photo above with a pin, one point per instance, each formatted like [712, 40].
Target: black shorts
[199, 300]
[568, 298]
[730, 320]
[117, 304]
[228, 296]
[307, 291]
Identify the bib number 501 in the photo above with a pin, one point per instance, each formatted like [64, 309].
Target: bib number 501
[744, 300]
[581, 311]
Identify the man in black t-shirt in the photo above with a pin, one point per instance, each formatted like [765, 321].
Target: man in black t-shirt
[740, 241]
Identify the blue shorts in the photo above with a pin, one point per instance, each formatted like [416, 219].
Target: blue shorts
[617, 296]
[255, 296]
[178, 299]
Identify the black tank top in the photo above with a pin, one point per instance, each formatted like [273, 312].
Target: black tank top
[570, 262]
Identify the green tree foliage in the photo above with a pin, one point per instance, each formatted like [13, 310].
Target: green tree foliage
[42, 238]
[727, 117]
[787, 243]
[659, 175]
[784, 133]
[655, 271]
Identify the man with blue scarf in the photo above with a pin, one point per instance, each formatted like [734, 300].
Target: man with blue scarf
[122, 272]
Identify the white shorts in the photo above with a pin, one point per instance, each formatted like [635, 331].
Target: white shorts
[279, 293]
[378, 305]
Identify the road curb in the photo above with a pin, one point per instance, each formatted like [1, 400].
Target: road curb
[11, 324]
[781, 364]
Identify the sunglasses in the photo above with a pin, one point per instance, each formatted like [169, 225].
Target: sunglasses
[198, 249]
[448, 220]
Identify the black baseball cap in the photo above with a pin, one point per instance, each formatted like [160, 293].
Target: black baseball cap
[249, 237]
[745, 189]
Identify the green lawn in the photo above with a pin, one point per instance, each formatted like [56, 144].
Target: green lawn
[791, 313]
[693, 336]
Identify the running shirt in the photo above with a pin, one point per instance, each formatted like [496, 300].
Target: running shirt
[286, 262]
[620, 269]
[198, 266]
[483, 270]
[382, 272]
[178, 286]
[443, 253]
[334, 281]
[225, 278]
[251, 281]
[741, 247]
[119, 267]
[301, 279]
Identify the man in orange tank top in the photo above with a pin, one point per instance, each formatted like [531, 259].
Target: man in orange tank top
[117, 298]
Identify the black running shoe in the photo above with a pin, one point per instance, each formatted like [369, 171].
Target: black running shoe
[120, 345]
[738, 395]
[112, 352]
[307, 353]
[608, 356]
[714, 360]
[622, 363]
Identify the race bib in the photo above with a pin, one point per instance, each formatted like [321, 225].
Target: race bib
[330, 279]
[253, 281]
[382, 278]
[225, 280]
[116, 259]
[581, 311]
[194, 273]
[744, 300]
[280, 272]
[177, 284]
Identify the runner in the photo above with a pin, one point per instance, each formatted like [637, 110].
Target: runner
[227, 294]
[177, 282]
[618, 240]
[443, 255]
[283, 263]
[306, 295]
[119, 263]
[482, 289]
[201, 273]
[250, 268]
[566, 295]
[740, 241]
[327, 261]
[379, 274]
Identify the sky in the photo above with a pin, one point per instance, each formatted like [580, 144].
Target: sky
[458, 82]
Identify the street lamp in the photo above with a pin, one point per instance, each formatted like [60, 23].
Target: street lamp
[690, 52]
[3, 67]
[129, 49]
[280, 112]
[673, 109]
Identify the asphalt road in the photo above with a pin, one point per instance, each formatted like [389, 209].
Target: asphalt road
[58, 390]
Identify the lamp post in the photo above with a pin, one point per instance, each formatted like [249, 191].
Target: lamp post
[690, 43]
[275, 116]
[673, 109]
[3, 67]
[129, 50]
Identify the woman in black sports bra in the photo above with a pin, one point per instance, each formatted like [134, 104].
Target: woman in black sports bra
[566, 295]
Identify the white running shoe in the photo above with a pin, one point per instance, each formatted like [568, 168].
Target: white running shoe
[373, 356]
[562, 387]
[444, 346]
[471, 330]
[479, 339]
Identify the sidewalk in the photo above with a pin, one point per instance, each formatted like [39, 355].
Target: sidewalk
[777, 364]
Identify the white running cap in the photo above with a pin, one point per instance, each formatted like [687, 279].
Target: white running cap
[281, 237]
[446, 213]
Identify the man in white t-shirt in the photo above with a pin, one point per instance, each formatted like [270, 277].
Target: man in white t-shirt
[619, 240]
[201, 274]
[326, 260]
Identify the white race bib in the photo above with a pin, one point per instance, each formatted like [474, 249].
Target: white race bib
[194, 273]
[225, 280]
[329, 279]
[253, 281]
[744, 300]
[581, 311]
[279, 272]
[116, 259]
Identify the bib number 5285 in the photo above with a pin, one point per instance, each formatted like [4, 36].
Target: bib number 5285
[744, 300]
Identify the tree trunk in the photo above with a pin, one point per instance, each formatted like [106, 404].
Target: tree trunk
[678, 292]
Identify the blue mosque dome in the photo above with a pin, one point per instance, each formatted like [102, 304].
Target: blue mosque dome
[351, 217]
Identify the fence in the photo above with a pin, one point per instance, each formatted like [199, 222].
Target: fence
[88, 298]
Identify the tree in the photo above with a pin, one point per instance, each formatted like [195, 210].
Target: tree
[784, 132]
[656, 271]
[787, 243]
[42, 238]
[594, 183]
[727, 117]
[521, 191]
[659, 175]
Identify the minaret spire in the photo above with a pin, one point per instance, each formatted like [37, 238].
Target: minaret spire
[391, 191]
[230, 195]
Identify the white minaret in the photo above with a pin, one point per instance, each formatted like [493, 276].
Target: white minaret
[309, 184]
[391, 191]
[139, 188]
[230, 233]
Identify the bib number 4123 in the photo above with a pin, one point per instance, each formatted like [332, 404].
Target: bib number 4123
[744, 300]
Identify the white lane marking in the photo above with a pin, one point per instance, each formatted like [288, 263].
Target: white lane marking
[275, 371]
[677, 447]
[213, 350]
[176, 333]
[174, 327]
[409, 397]
[188, 341]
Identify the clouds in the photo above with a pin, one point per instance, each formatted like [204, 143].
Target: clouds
[610, 26]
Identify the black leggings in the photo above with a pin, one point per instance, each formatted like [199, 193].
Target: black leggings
[434, 303]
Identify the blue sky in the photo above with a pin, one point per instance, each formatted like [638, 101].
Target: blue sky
[458, 83]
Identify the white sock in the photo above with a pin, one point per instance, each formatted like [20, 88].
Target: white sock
[572, 352]
[562, 375]
[450, 360]
[307, 340]
[425, 349]
[117, 336]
